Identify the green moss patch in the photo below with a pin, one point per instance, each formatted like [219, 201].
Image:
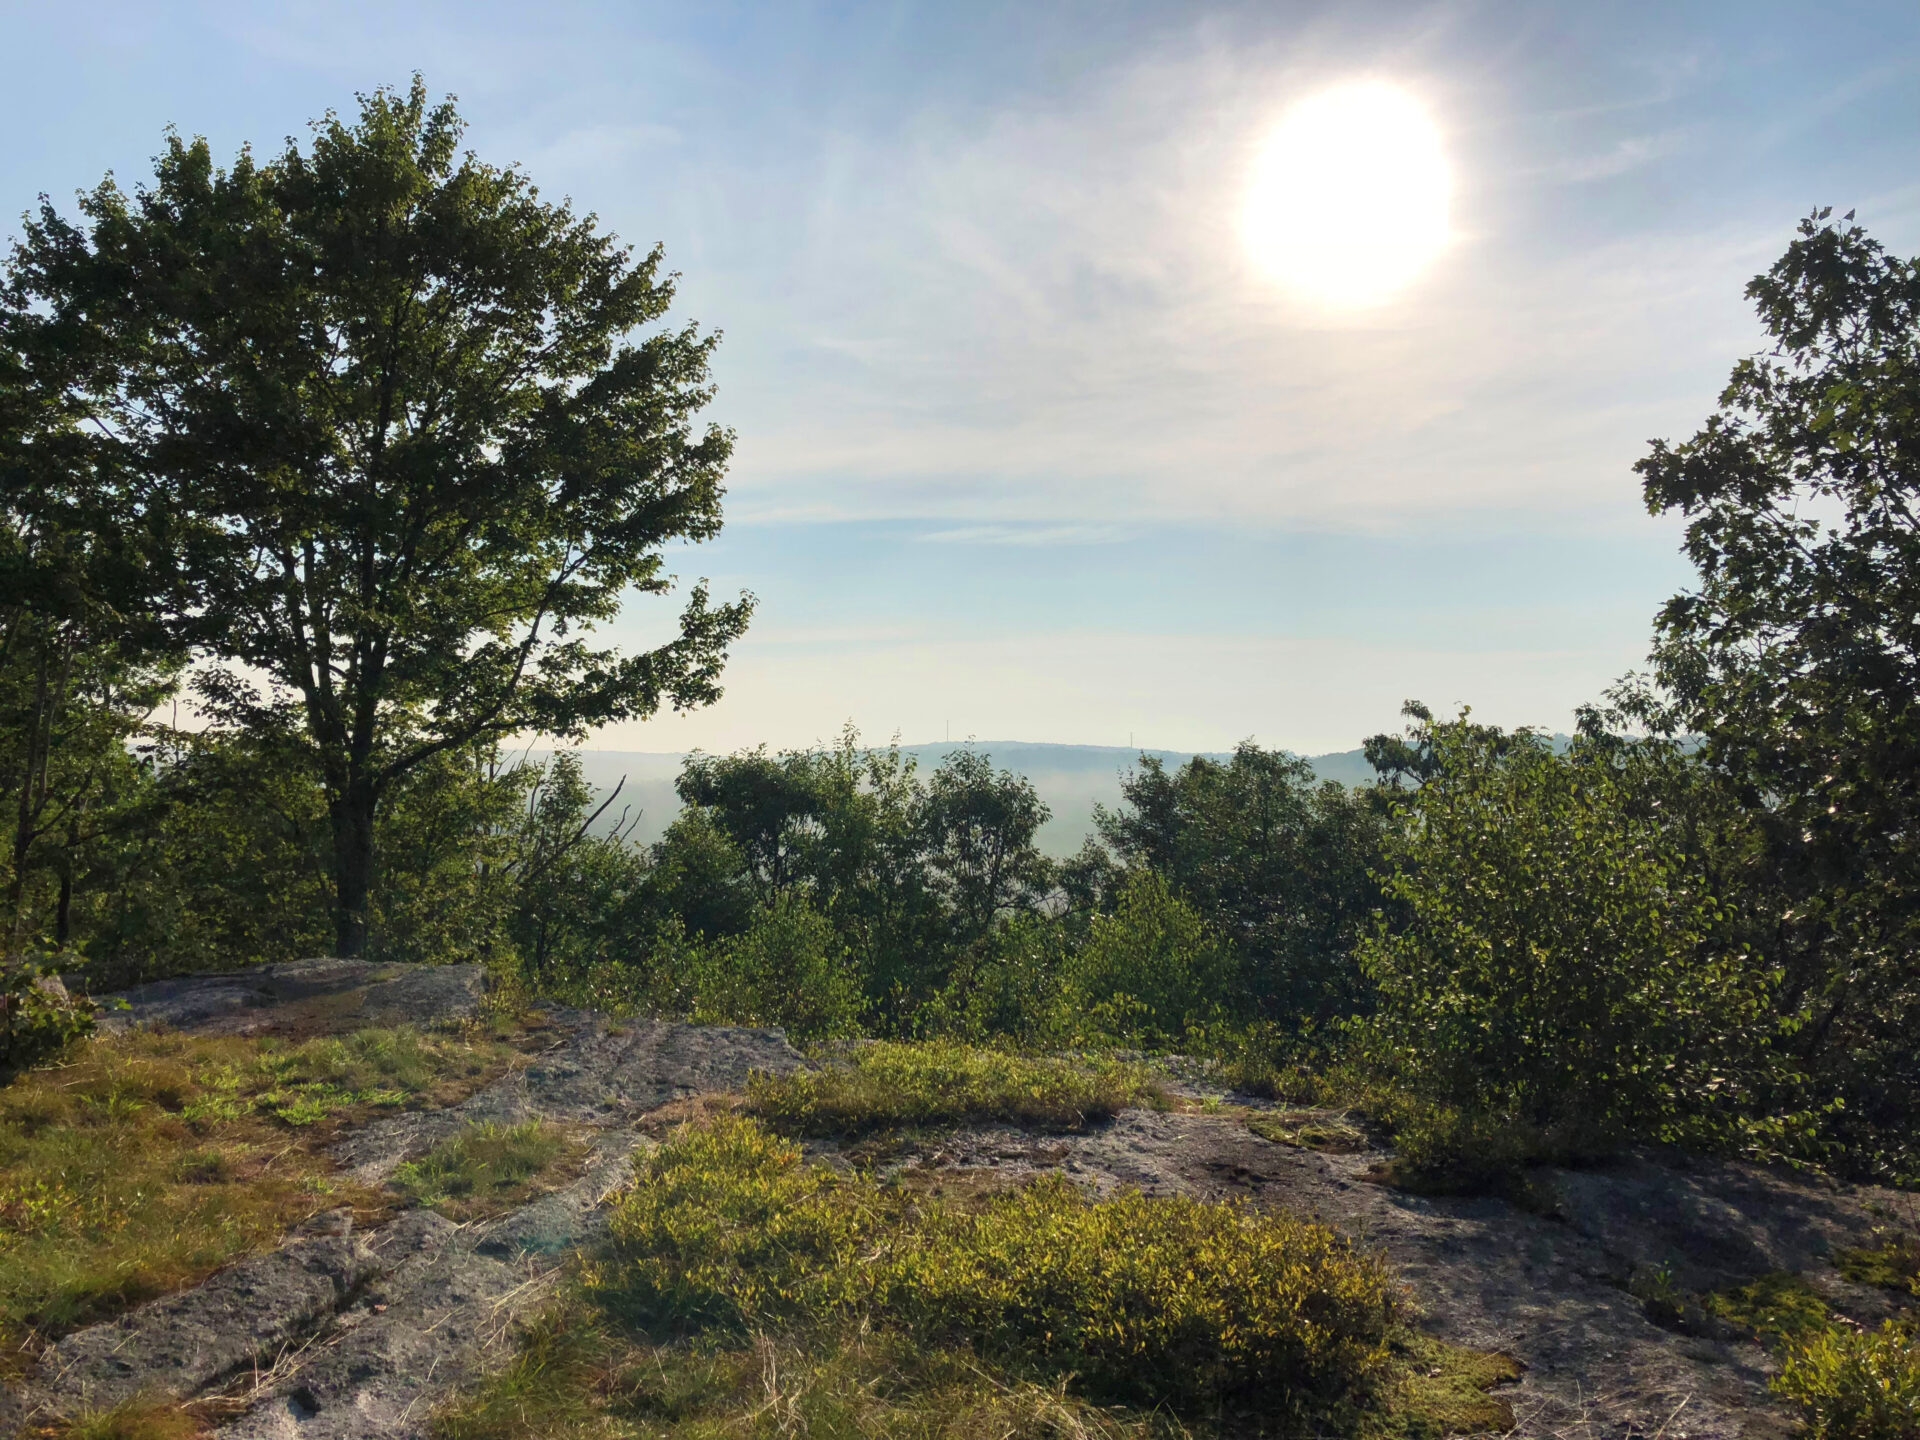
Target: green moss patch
[1447, 1390]
[1776, 1309]
[1892, 1266]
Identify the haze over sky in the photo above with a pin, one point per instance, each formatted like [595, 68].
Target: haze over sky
[1028, 447]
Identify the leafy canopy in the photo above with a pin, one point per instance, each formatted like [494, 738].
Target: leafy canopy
[420, 432]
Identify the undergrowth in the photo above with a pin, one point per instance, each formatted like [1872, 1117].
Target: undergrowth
[1855, 1384]
[145, 1161]
[746, 1293]
[885, 1086]
[1846, 1383]
[1161, 1301]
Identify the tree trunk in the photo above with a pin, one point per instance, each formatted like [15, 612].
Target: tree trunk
[352, 814]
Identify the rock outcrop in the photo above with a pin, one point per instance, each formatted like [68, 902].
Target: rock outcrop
[339, 1334]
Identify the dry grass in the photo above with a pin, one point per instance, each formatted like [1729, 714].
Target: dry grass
[573, 1379]
[1331, 1131]
[144, 1162]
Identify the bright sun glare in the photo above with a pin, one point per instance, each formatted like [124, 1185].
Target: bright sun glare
[1348, 198]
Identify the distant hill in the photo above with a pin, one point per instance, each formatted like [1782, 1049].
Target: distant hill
[1072, 779]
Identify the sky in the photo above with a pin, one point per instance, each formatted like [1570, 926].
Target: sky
[1029, 448]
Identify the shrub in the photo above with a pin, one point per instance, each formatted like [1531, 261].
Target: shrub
[886, 1085]
[1561, 967]
[726, 1228]
[1007, 987]
[38, 1019]
[1149, 973]
[1159, 1300]
[1154, 1300]
[1856, 1385]
[790, 969]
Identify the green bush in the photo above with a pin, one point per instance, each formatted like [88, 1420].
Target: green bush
[1159, 1301]
[790, 969]
[726, 1228]
[1007, 987]
[1153, 1300]
[1856, 1385]
[1149, 973]
[38, 1019]
[1562, 967]
[886, 1085]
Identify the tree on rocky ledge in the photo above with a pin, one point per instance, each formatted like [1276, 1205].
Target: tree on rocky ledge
[420, 431]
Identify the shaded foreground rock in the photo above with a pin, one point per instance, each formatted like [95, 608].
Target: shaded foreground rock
[185, 1343]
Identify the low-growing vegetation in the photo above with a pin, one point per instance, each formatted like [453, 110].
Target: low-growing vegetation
[1846, 1382]
[486, 1168]
[145, 1161]
[887, 1086]
[1851, 1384]
[1162, 1300]
[747, 1292]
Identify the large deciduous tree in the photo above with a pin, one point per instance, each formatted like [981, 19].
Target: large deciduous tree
[1797, 656]
[425, 430]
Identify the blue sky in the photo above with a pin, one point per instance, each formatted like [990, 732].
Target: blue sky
[1025, 451]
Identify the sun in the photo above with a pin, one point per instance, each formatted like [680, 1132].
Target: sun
[1347, 201]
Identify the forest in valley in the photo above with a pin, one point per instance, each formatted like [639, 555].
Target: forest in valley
[321, 470]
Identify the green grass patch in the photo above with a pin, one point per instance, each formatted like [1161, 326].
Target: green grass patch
[887, 1086]
[486, 1168]
[1332, 1131]
[145, 1161]
[1143, 1300]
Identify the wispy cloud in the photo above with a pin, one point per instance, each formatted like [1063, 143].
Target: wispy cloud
[1027, 535]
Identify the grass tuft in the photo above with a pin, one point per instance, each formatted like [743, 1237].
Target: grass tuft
[1332, 1132]
[885, 1085]
[135, 1420]
[571, 1379]
[486, 1168]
